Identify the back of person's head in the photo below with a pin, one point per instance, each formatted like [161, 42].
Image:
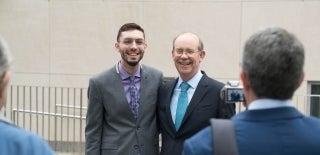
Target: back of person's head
[5, 57]
[5, 62]
[273, 60]
[129, 27]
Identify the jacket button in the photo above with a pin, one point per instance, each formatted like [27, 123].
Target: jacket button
[136, 146]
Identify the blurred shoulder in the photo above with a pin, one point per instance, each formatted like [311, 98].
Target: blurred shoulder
[313, 121]
[24, 142]
[200, 143]
[104, 74]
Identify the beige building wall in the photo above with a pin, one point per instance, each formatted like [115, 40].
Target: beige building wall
[64, 42]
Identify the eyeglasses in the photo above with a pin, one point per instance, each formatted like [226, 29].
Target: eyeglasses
[179, 52]
[129, 41]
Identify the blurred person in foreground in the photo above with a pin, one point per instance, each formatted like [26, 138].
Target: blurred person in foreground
[272, 69]
[15, 140]
[181, 116]
[121, 116]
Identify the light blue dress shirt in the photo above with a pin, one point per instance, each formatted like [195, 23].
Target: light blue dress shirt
[193, 82]
[269, 103]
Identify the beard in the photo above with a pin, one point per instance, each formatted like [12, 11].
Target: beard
[131, 62]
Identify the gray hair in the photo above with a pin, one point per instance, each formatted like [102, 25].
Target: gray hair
[273, 60]
[5, 57]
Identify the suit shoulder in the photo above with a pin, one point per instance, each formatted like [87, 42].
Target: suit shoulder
[151, 69]
[152, 73]
[200, 143]
[103, 75]
[213, 81]
[167, 85]
[24, 144]
[13, 134]
[313, 120]
[170, 82]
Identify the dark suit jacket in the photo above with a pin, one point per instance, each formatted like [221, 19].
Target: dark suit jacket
[276, 131]
[111, 128]
[205, 104]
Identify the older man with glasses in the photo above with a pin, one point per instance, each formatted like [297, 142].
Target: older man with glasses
[186, 103]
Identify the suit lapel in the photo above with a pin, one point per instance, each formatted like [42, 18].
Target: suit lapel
[117, 82]
[169, 92]
[122, 99]
[145, 81]
[200, 91]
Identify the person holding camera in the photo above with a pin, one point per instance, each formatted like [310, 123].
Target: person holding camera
[15, 140]
[272, 69]
[186, 103]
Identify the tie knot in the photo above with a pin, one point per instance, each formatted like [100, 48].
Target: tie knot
[184, 86]
[131, 79]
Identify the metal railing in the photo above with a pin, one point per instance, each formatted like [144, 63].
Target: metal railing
[55, 113]
[58, 114]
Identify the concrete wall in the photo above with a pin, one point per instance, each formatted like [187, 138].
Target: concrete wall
[64, 42]
[61, 43]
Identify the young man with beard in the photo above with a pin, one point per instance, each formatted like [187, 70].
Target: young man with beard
[180, 120]
[121, 116]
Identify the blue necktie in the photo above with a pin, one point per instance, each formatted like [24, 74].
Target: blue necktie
[182, 104]
[134, 98]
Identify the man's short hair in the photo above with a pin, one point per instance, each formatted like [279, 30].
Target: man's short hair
[129, 27]
[273, 60]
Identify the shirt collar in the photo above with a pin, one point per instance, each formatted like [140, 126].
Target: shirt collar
[193, 82]
[125, 75]
[269, 103]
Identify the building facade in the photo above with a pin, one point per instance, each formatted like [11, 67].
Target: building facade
[58, 44]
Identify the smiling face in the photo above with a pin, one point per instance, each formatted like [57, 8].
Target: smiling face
[131, 46]
[187, 56]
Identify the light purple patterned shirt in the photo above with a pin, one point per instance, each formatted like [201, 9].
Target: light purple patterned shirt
[126, 81]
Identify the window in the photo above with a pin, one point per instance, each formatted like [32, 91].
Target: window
[314, 98]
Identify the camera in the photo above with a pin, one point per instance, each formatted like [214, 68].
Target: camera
[232, 92]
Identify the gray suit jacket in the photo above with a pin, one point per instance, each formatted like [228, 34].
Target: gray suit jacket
[111, 128]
